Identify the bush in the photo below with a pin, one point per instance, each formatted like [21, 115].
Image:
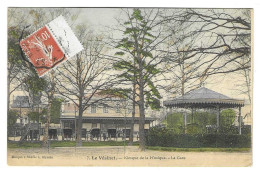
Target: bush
[193, 129]
[229, 130]
[12, 116]
[166, 138]
[199, 120]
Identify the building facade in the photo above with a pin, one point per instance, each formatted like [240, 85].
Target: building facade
[109, 115]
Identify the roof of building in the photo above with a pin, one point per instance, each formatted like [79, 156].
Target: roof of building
[105, 118]
[204, 98]
[21, 102]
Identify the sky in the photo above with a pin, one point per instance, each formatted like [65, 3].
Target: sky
[99, 18]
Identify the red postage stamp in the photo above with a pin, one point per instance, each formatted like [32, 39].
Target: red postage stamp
[50, 45]
[42, 50]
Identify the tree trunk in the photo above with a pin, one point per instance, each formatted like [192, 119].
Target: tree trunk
[79, 128]
[131, 138]
[141, 123]
[46, 129]
[182, 85]
[50, 99]
[8, 99]
[248, 84]
[142, 111]
[8, 92]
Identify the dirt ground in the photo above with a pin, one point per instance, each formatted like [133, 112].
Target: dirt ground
[123, 156]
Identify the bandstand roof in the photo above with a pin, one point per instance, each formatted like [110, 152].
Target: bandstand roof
[203, 98]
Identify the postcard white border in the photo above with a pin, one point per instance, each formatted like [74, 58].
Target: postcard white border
[133, 3]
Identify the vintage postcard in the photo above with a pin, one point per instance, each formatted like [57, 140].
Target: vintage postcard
[130, 87]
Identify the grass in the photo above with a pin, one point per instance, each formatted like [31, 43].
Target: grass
[54, 144]
[28, 145]
[172, 149]
[25, 145]
[108, 143]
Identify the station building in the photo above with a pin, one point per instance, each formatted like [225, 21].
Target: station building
[109, 115]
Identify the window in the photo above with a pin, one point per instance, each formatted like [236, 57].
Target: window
[19, 88]
[94, 125]
[93, 109]
[117, 108]
[105, 109]
[67, 124]
[129, 110]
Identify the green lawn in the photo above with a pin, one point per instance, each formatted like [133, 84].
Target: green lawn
[67, 144]
[27, 145]
[171, 149]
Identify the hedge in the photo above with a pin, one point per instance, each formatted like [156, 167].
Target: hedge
[166, 138]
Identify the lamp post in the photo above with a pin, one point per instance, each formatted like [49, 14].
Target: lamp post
[62, 125]
[21, 112]
[75, 121]
[185, 122]
[38, 120]
[75, 110]
[125, 105]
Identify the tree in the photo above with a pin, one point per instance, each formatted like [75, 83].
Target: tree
[12, 117]
[34, 116]
[175, 122]
[36, 18]
[21, 74]
[81, 79]
[228, 34]
[184, 71]
[244, 83]
[126, 94]
[16, 67]
[143, 36]
[21, 22]
[227, 117]
[218, 42]
[35, 86]
[56, 110]
[202, 119]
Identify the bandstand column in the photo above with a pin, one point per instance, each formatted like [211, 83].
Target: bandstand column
[218, 118]
[171, 110]
[239, 120]
[169, 113]
[192, 115]
[185, 121]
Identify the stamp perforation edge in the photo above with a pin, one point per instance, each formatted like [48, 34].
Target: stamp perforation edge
[56, 38]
